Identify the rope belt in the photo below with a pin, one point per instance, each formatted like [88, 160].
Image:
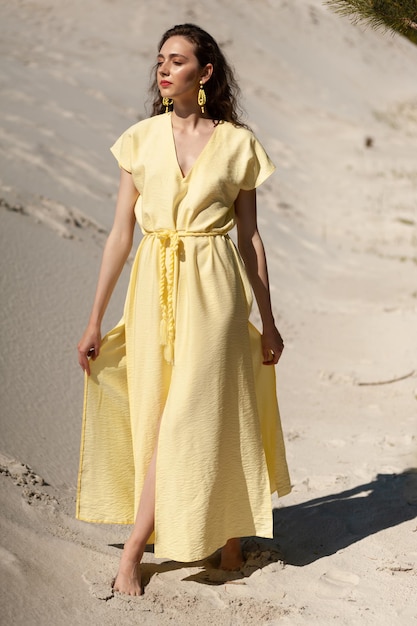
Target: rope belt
[167, 272]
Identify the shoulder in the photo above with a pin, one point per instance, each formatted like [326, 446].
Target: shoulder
[144, 126]
[248, 160]
[239, 133]
[239, 138]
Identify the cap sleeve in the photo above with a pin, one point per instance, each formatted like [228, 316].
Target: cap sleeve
[258, 165]
[122, 150]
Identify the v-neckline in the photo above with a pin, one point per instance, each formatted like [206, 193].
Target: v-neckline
[181, 173]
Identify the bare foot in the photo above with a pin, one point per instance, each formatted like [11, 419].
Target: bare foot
[231, 557]
[128, 579]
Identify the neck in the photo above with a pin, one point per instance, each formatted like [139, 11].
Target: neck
[185, 119]
[187, 112]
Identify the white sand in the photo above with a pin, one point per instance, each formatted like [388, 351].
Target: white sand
[339, 222]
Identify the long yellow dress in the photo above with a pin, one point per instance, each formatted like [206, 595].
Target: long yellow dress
[186, 357]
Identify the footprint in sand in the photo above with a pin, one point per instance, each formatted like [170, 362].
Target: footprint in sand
[99, 584]
[336, 583]
[25, 478]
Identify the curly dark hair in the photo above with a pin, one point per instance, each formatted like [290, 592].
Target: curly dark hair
[222, 89]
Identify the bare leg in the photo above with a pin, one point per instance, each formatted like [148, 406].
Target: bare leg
[231, 558]
[128, 579]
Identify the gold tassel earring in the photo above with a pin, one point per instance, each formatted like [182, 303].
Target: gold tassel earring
[201, 99]
[167, 103]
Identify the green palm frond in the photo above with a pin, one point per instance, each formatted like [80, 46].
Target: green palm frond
[399, 16]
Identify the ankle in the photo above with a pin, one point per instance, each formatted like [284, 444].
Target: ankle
[133, 549]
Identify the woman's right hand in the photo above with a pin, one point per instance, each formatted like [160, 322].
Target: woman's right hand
[89, 347]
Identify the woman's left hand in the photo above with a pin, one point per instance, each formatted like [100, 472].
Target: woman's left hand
[272, 346]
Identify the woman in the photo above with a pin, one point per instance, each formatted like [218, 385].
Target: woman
[181, 424]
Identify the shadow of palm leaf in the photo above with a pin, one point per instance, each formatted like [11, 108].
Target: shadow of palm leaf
[311, 530]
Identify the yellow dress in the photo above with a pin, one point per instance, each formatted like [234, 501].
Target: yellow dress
[186, 357]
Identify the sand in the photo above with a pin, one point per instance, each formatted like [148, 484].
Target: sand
[339, 222]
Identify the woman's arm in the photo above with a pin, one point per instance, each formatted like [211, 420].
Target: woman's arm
[116, 251]
[253, 254]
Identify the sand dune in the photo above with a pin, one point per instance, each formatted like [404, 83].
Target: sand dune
[336, 107]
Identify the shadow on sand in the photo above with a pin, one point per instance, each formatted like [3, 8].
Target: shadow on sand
[311, 530]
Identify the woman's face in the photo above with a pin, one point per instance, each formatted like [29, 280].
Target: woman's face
[178, 71]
